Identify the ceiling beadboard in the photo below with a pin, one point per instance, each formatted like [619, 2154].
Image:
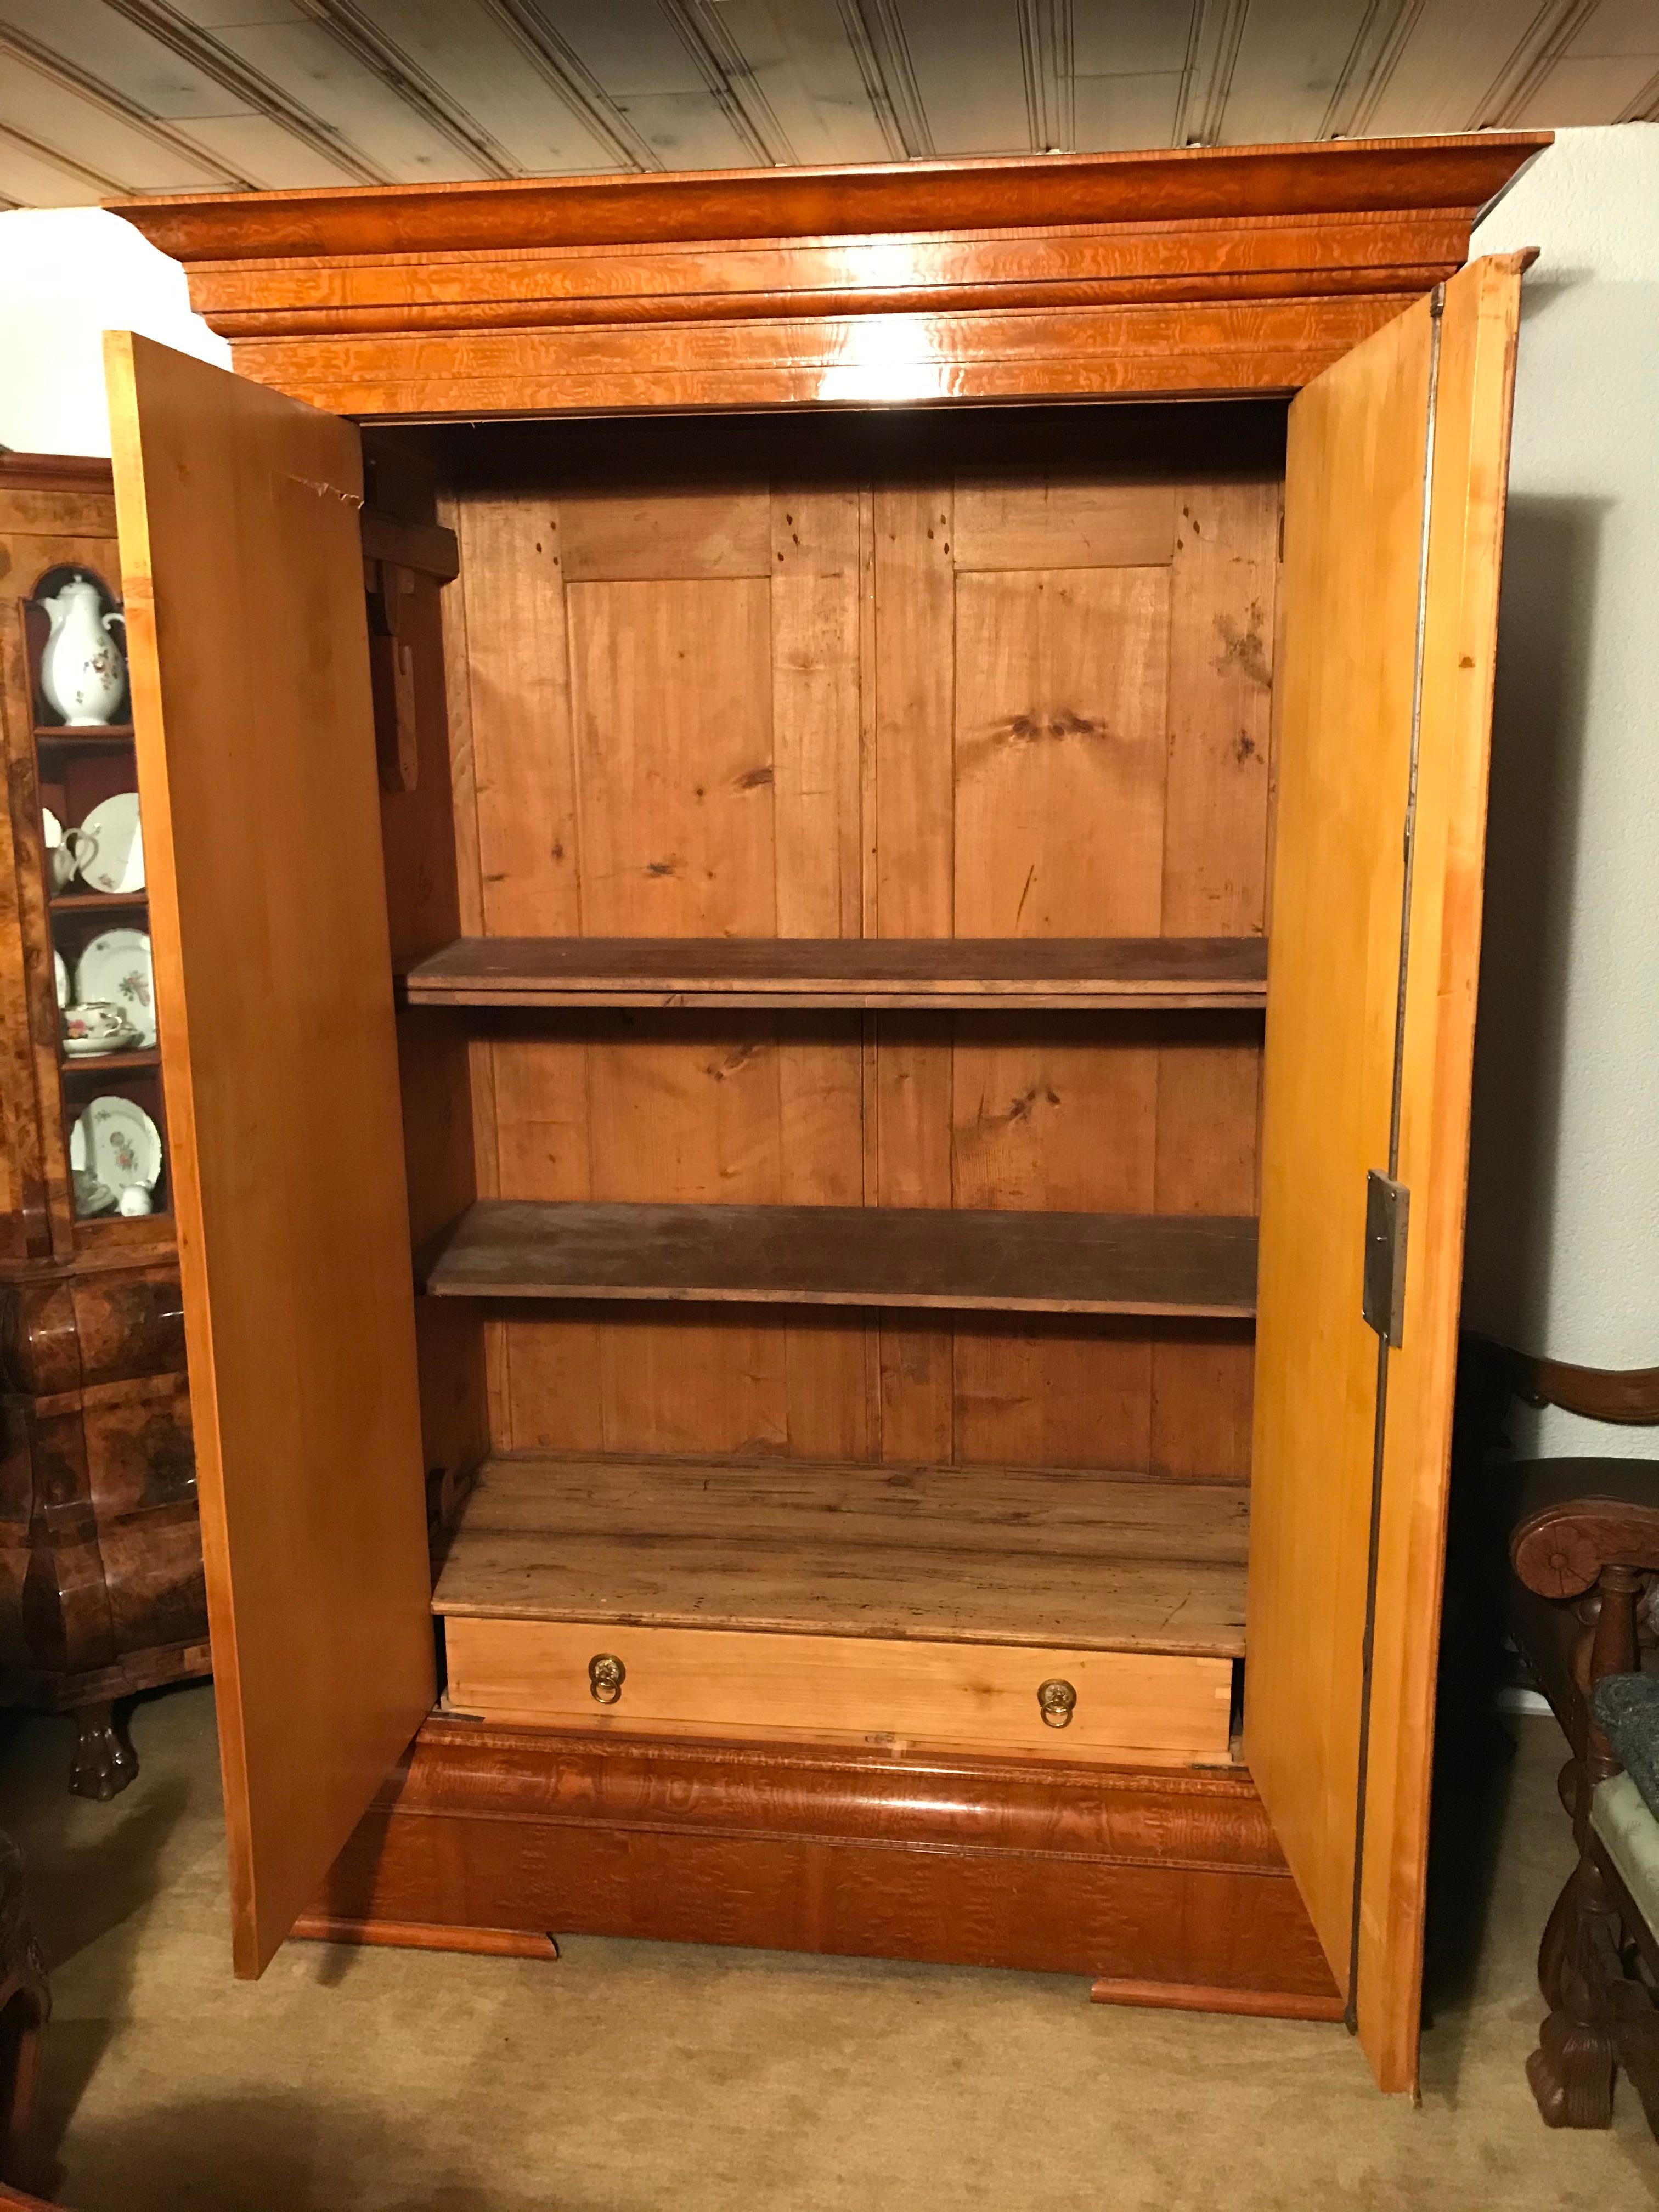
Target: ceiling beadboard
[101, 98]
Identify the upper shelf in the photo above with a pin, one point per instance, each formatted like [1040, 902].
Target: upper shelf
[1075, 973]
[95, 902]
[850, 1255]
[83, 733]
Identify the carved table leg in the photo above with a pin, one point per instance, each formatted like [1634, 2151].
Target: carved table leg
[25, 2007]
[104, 1761]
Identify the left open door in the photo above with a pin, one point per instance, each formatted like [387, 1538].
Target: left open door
[242, 568]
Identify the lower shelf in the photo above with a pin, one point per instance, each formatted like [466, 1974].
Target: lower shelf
[1057, 1612]
[1201, 1266]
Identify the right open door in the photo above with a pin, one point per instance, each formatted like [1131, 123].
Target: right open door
[1394, 483]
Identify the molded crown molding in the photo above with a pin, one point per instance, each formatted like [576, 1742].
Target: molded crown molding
[1199, 184]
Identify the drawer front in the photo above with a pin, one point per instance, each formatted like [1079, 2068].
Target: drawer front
[974, 1697]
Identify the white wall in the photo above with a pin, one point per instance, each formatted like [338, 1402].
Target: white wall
[1564, 1221]
[66, 275]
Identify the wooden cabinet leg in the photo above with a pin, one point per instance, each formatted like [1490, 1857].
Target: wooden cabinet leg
[104, 1761]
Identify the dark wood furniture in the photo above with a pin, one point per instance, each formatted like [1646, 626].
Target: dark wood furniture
[1585, 1554]
[821, 840]
[25, 2007]
[100, 1556]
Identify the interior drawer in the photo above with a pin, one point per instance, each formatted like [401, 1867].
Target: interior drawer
[975, 1697]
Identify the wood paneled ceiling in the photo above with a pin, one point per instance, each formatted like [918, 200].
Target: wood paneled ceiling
[99, 98]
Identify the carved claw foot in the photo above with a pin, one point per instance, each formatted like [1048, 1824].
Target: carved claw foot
[1572, 2074]
[104, 1761]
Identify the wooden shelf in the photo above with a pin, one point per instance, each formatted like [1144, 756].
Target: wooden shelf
[1083, 1263]
[1084, 974]
[110, 1063]
[95, 902]
[972, 1554]
[107, 733]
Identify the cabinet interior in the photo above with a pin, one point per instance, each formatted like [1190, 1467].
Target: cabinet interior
[827, 888]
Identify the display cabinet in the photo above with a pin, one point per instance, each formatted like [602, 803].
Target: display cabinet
[817, 1045]
[100, 1558]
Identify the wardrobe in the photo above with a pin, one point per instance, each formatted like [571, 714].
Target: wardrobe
[814, 849]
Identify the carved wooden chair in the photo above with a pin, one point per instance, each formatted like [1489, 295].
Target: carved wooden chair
[1584, 1549]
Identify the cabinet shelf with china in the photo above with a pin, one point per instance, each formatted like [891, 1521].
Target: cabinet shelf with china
[56, 735]
[77, 1066]
[95, 1396]
[80, 902]
[738, 1067]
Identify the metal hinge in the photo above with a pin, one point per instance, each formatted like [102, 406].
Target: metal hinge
[1383, 1300]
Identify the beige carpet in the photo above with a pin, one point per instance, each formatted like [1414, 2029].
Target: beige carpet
[633, 2077]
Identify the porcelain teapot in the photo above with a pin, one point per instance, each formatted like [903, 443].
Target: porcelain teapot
[83, 672]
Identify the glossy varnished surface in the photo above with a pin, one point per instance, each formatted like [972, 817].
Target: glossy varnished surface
[1167, 1877]
[1220, 269]
[100, 1558]
[1248, 183]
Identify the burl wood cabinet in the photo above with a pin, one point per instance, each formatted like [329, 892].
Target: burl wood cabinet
[100, 1551]
[795, 1066]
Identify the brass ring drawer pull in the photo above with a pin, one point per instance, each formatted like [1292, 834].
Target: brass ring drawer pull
[605, 1677]
[1057, 1702]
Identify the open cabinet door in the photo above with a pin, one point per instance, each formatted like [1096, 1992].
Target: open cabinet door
[1395, 481]
[242, 567]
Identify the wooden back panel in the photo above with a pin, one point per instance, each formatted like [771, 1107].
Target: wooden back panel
[768, 684]
[1353, 546]
[243, 576]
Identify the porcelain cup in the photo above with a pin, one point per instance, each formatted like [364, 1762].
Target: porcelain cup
[91, 1195]
[97, 1025]
[65, 858]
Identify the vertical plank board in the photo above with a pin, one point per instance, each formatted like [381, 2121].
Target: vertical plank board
[1060, 772]
[468, 886]
[1223, 609]
[1051, 1114]
[815, 709]
[507, 608]
[1061, 679]
[1223, 617]
[518, 688]
[420, 837]
[817, 668]
[672, 696]
[909, 895]
[687, 1110]
[672, 699]
[1052, 1392]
